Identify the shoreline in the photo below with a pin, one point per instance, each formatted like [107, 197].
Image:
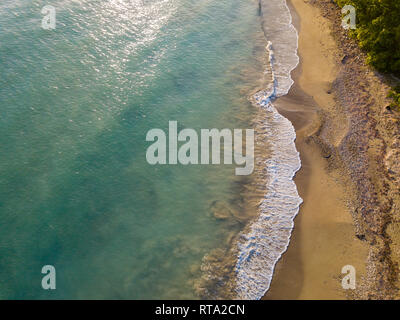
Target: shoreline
[322, 239]
[332, 228]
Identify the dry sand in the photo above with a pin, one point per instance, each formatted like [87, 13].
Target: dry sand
[323, 240]
[349, 142]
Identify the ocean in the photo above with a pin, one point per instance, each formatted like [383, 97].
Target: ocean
[76, 191]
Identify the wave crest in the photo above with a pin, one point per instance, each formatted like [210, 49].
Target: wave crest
[268, 236]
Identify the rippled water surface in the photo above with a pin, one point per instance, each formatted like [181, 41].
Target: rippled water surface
[76, 103]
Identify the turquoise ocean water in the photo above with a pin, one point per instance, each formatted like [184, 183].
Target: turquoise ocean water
[76, 103]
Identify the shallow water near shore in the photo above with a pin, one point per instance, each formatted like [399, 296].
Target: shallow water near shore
[76, 191]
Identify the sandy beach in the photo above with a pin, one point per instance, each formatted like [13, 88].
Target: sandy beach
[344, 217]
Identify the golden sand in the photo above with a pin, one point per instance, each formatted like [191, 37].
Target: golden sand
[323, 240]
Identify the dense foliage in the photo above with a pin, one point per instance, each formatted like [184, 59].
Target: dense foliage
[395, 95]
[378, 32]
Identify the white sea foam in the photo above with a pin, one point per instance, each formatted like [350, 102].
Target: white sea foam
[268, 237]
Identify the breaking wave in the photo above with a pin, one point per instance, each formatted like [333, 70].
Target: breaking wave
[268, 236]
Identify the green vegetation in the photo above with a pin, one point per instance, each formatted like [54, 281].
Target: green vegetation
[395, 95]
[378, 33]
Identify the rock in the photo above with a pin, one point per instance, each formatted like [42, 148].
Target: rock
[360, 236]
[220, 210]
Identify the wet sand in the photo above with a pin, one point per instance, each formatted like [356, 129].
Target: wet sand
[324, 238]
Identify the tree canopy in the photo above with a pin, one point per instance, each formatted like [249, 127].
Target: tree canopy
[378, 32]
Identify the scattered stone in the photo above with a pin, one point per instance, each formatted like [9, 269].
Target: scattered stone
[361, 237]
[220, 210]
